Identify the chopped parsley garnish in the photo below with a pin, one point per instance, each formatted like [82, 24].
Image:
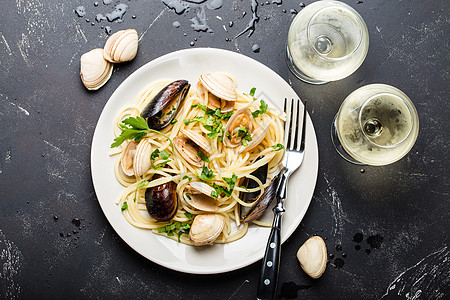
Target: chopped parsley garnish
[187, 177]
[252, 92]
[203, 156]
[124, 206]
[278, 147]
[262, 109]
[156, 154]
[176, 227]
[135, 128]
[173, 121]
[189, 216]
[206, 174]
[140, 185]
[202, 107]
[244, 135]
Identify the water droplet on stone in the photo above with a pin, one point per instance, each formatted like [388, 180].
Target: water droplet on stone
[362, 171]
[339, 263]
[176, 24]
[133, 16]
[302, 4]
[61, 234]
[338, 247]
[96, 4]
[230, 24]
[256, 48]
[55, 218]
[293, 11]
[358, 237]
[344, 255]
[108, 30]
[106, 2]
[80, 11]
[191, 43]
[76, 222]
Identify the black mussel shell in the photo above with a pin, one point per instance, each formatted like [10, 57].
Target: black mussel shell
[161, 201]
[162, 109]
[261, 174]
[263, 202]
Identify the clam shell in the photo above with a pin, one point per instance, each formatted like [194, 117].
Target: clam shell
[95, 71]
[206, 229]
[121, 46]
[126, 161]
[234, 123]
[141, 161]
[219, 85]
[312, 256]
[257, 136]
[188, 151]
[198, 139]
[199, 197]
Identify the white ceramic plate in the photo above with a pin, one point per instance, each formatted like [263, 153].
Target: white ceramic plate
[189, 64]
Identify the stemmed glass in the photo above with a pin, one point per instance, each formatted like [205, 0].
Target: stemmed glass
[327, 41]
[376, 125]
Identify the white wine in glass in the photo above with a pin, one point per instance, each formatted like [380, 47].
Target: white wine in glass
[327, 41]
[376, 125]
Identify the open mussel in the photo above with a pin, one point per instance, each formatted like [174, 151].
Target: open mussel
[261, 202]
[206, 228]
[161, 201]
[161, 110]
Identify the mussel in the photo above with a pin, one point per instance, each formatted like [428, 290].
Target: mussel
[218, 89]
[161, 201]
[206, 228]
[162, 109]
[260, 202]
[190, 144]
[198, 195]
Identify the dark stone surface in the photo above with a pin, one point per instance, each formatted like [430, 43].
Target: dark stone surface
[54, 239]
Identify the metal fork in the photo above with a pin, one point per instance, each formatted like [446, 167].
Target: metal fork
[294, 139]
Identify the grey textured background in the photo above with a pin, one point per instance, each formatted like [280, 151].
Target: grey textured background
[47, 120]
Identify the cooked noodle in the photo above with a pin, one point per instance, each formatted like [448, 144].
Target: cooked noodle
[224, 162]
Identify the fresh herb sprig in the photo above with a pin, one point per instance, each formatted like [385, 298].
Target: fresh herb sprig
[206, 174]
[135, 129]
[156, 154]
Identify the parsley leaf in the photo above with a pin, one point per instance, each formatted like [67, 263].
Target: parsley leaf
[124, 206]
[252, 92]
[140, 185]
[187, 177]
[173, 121]
[164, 154]
[262, 109]
[189, 216]
[206, 174]
[203, 156]
[278, 147]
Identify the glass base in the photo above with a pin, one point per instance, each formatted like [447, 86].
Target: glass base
[338, 146]
[299, 74]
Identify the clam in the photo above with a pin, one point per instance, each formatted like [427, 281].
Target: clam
[162, 109]
[161, 201]
[312, 256]
[206, 228]
[241, 118]
[235, 135]
[218, 89]
[95, 71]
[141, 161]
[126, 161]
[121, 46]
[190, 145]
[198, 195]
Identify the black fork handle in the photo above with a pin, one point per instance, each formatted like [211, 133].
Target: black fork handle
[268, 282]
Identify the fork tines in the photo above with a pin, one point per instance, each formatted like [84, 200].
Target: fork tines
[292, 132]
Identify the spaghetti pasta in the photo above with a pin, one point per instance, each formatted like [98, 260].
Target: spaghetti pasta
[224, 169]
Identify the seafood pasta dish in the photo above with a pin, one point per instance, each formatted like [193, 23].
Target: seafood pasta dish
[198, 161]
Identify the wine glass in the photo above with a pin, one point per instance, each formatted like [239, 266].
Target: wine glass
[376, 125]
[327, 41]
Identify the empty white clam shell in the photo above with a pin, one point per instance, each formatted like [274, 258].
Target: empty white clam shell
[312, 256]
[95, 71]
[122, 46]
